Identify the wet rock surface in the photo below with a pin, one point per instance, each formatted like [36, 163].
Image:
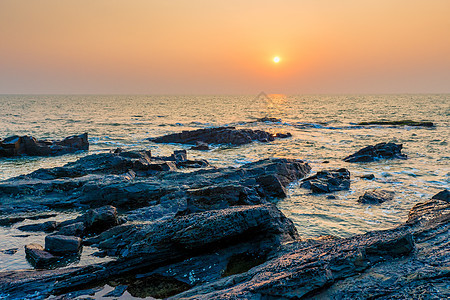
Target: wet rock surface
[376, 196]
[409, 260]
[212, 233]
[377, 152]
[30, 146]
[328, 181]
[218, 135]
[443, 195]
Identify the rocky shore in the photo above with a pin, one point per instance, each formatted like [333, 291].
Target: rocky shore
[184, 229]
[30, 146]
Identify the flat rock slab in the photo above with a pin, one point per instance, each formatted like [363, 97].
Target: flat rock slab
[377, 152]
[218, 135]
[30, 146]
[328, 181]
[62, 244]
[376, 196]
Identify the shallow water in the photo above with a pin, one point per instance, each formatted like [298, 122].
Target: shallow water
[323, 128]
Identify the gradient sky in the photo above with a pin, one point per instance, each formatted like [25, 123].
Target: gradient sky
[224, 47]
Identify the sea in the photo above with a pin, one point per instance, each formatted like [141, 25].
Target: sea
[324, 130]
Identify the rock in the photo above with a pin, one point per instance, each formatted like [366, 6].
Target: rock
[62, 244]
[327, 181]
[283, 135]
[38, 257]
[367, 176]
[94, 182]
[26, 145]
[376, 196]
[8, 221]
[199, 145]
[442, 195]
[100, 219]
[401, 123]
[179, 155]
[46, 226]
[218, 135]
[379, 151]
[175, 238]
[404, 262]
[268, 119]
[75, 229]
[11, 251]
[117, 292]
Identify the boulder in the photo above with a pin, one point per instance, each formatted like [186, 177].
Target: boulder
[100, 219]
[27, 145]
[62, 244]
[217, 135]
[38, 257]
[442, 195]
[376, 196]
[327, 181]
[379, 151]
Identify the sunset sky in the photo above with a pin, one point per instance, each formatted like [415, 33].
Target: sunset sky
[224, 47]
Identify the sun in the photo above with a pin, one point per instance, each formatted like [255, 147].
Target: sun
[276, 59]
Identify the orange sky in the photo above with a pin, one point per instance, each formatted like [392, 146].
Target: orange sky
[224, 47]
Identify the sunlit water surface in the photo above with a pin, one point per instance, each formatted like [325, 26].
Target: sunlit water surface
[323, 128]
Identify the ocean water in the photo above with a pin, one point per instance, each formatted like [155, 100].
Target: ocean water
[323, 128]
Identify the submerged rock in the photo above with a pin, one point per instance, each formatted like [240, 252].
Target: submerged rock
[199, 145]
[367, 176]
[376, 196]
[379, 151]
[327, 181]
[218, 135]
[28, 145]
[400, 123]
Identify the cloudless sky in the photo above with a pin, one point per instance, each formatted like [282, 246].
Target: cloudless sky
[224, 47]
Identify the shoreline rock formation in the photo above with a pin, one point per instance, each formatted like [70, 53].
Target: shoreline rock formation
[30, 146]
[219, 135]
[377, 152]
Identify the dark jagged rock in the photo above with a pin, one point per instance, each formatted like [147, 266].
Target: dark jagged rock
[176, 238]
[62, 244]
[75, 229]
[218, 135]
[28, 145]
[95, 186]
[376, 196]
[404, 262]
[48, 226]
[379, 151]
[442, 195]
[399, 123]
[328, 181]
[199, 145]
[100, 219]
[401, 263]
